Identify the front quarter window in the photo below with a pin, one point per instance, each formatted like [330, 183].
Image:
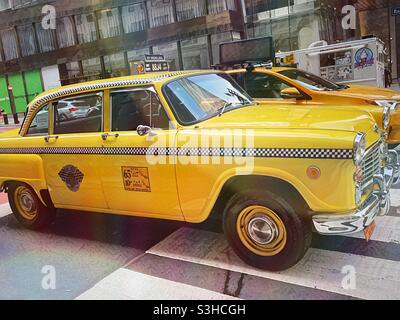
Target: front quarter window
[199, 97]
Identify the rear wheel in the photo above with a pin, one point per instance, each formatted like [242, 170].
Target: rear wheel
[27, 207]
[265, 231]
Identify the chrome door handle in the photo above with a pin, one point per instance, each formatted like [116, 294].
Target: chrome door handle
[104, 136]
[48, 138]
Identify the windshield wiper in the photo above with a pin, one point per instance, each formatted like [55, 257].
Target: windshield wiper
[222, 109]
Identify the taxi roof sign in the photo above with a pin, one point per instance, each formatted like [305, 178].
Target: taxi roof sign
[250, 50]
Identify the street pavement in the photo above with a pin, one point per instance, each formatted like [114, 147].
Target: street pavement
[100, 256]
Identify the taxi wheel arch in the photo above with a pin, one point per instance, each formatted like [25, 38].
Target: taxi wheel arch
[238, 183]
[294, 230]
[32, 214]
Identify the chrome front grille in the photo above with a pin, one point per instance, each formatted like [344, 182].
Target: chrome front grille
[372, 165]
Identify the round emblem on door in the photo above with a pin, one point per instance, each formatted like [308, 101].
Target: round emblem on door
[72, 177]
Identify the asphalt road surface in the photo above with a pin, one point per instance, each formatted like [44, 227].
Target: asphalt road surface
[99, 256]
[96, 256]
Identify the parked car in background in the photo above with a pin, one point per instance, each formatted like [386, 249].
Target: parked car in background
[299, 88]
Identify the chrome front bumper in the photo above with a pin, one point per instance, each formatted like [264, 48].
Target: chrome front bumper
[378, 203]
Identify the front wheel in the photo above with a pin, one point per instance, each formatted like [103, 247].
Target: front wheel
[265, 231]
[27, 207]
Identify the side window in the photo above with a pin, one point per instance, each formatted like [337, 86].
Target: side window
[78, 114]
[40, 123]
[131, 108]
[238, 77]
[261, 85]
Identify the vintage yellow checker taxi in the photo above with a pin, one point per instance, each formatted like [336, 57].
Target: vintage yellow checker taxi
[185, 145]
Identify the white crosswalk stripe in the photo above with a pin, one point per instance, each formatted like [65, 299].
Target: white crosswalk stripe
[5, 210]
[125, 284]
[395, 197]
[387, 230]
[319, 269]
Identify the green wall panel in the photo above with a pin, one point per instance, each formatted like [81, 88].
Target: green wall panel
[33, 82]
[17, 83]
[4, 100]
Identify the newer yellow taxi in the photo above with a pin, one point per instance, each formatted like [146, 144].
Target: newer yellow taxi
[182, 145]
[297, 87]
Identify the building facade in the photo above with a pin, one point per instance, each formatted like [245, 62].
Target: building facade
[94, 39]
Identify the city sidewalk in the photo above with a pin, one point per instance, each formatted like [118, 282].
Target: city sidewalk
[11, 121]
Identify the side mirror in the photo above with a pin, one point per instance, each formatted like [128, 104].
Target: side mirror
[291, 93]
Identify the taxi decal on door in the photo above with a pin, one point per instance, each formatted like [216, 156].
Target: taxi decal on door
[136, 179]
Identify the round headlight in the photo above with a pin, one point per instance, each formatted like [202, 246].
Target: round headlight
[386, 118]
[360, 143]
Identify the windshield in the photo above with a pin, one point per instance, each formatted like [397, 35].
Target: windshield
[196, 98]
[311, 81]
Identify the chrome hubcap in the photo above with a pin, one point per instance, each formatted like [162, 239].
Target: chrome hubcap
[27, 202]
[262, 230]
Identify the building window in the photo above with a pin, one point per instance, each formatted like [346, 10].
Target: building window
[170, 52]
[46, 38]
[65, 32]
[86, 27]
[217, 6]
[195, 53]
[16, 4]
[5, 4]
[70, 72]
[10, 45]
[134, 17]
[26, 35]
[92, 69]
[109, 23]
[189, 9]
[115, 65]
[160, 12]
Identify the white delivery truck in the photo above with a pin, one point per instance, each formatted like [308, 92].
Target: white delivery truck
[352, 62]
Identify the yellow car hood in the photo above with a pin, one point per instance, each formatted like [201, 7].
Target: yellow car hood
[289, 117]
[370, 92]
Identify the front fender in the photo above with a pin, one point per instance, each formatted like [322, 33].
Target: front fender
[331, 193]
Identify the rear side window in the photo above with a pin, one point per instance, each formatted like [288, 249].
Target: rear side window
[40, 123]
[78, 114]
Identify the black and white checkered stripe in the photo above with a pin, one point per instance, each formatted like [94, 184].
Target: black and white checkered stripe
[207, 152]
[97, 86]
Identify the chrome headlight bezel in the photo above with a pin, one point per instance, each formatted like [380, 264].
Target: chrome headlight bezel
[359, 148]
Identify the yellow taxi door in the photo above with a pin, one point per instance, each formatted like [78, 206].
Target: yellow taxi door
[138, 174]
[70, 152]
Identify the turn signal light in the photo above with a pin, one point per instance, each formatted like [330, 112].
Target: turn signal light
[313, 172]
